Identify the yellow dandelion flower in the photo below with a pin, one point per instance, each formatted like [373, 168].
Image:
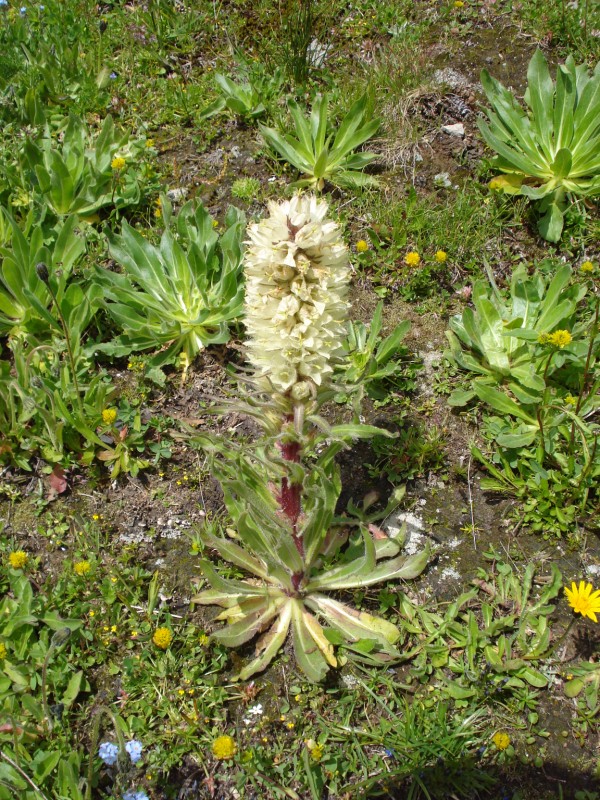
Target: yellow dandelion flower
[316, 752]
[203, 639]
[441, 256]
[95, 517]
[82, 568]
[560, 338]
[501, 740]
[117, 163]
[3, 651]
[224, 747]
[362, 246]
[149, 142]
[413, 259]
[583, 600]
[17, 559]
[458, 3]
[587, 266]
[109, 415]
[162, 638]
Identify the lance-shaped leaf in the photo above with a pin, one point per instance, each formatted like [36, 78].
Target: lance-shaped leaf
[269, 644]
[354, 624]
[252, 617]
[312, 654]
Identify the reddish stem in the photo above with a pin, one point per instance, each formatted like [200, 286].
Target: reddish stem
[290, 496]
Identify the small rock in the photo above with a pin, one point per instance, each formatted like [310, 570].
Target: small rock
[457, 129]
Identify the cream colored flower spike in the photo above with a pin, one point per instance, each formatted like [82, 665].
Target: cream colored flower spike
[297, 275]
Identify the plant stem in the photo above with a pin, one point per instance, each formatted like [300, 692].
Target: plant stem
[63, 323]
[586, 371]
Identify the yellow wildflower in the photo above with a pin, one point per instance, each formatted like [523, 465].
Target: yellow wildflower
[109, 415]
[149, 142]
[543, 338]
[3, 651]
[501, 740]
[441, 256]
[117, 163]
[570, 400]
[162, 638]
[316, 752]
[458, 3]
[560, 338]
[362, 246]
[583, 601]
[203, 639]
[587, 266]
[413, 259]
[224, 747]
[82, 568]
[17, 559]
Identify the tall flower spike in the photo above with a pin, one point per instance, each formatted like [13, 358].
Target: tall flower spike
[297, 276]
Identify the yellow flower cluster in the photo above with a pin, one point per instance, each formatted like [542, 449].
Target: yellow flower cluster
[109, 415]
[413, 259]
[117, 163]
[441, 256]
[362, 246]
[583, 600]
[162, 638]
[316, 752]
[82, 568]
[560, 338]
[17, 559]
[501, 740]
[587, 266]
[224, 747]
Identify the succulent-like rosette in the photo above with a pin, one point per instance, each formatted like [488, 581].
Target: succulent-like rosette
[297, 275]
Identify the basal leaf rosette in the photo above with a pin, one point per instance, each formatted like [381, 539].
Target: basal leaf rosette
[297, 275]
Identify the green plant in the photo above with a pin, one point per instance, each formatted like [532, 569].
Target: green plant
[38, 687]
[417, 450]
[44, 410]
[282, 501]
[181, 296]
[245, 188]
[428, 752]
[25, 300]
[551, 153]
[87, 173]
[371, 364]
[324, 155]
[498, 339]
[542, 411]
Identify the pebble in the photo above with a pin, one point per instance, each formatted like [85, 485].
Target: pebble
[456, 129]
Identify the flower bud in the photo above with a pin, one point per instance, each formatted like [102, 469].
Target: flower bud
[42, 272]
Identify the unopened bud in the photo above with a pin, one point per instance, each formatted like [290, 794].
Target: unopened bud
[42, 271]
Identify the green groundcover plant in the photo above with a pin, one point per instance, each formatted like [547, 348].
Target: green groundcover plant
[551, 153]
[323, 155]
[180, 296]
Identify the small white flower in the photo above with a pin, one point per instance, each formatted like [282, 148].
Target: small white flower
[256, 711]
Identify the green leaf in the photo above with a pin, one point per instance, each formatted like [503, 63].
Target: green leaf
[561, 165]
[550, 225]
[502, 403]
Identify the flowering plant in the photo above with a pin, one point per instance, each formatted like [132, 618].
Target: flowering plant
[282, 497]
[550, 152]
[79, 177]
